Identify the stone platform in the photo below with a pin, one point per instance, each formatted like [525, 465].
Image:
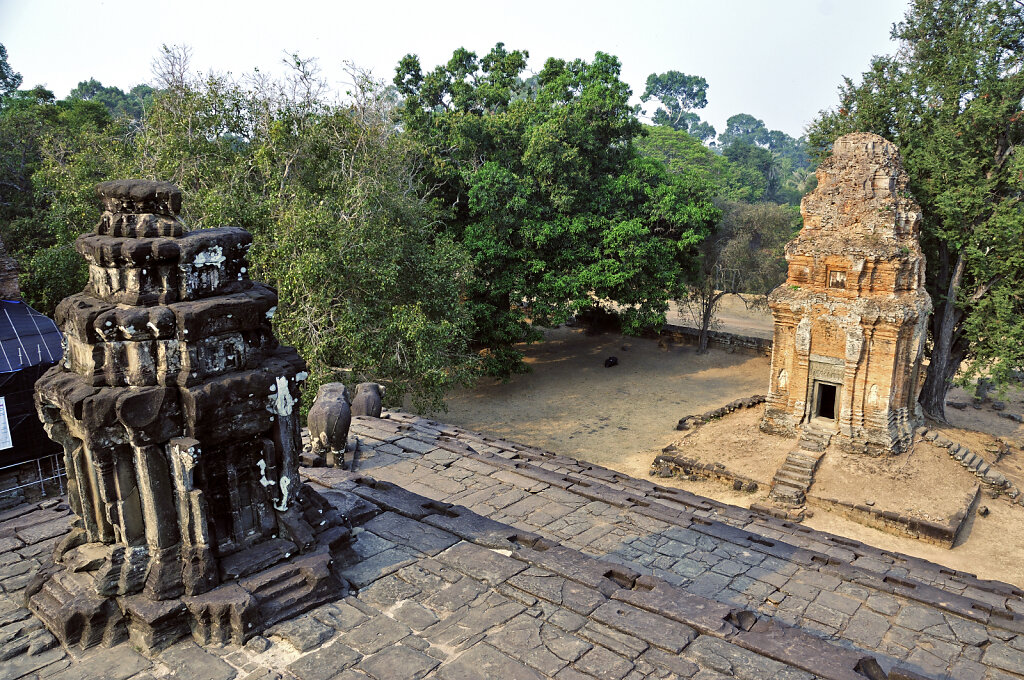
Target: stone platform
[487, 559]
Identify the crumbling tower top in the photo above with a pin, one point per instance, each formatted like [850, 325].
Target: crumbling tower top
[862, 191]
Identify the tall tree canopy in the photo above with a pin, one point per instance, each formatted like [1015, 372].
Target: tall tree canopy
[744, 127]
[683, 153]
[950, 99]
[33, 126]
[369, 289]
[679, 94]
[114, 99]
[543, 185]
[10, 79]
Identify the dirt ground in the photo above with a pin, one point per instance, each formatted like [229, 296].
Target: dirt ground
[621, 417]
[736, 442]
[883, 482]
[986, 418]
[733, 316]
[570, 403]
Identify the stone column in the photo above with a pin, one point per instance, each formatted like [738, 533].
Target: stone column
[178, 412]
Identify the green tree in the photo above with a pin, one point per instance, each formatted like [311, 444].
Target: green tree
[679, 94]
[773, 154]
[683, 153]
[761, 167]
[744, 256]
[743, 127]
[368, 289]
[35, 231]
[543, 185]
[115, 100]
[10, 80]
[950, 99]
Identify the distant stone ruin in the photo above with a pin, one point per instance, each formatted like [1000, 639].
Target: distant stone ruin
[850, 320]
[178, 414]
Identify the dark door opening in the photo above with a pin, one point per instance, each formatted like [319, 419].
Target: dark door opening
[826, 401]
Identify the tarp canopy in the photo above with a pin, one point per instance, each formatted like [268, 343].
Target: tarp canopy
[29, 344]
[27, 338]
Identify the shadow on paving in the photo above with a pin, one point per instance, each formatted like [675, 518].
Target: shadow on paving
[478, 558]
[905, 612]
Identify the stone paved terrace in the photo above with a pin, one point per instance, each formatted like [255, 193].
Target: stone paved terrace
[485, 559]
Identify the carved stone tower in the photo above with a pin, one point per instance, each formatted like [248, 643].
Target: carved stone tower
[850, 319]
[178, 413]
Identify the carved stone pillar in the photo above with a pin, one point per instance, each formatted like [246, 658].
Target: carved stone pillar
[178, 413]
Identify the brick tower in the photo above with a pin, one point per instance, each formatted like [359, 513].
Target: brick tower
[850, 320]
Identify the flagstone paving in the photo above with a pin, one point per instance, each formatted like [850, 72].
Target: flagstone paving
[488, 559]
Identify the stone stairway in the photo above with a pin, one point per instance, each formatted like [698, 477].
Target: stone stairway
[815, 440]
[794, 478]
[791, 483]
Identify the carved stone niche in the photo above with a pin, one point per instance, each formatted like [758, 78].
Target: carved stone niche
[178, 413]
[850, 320]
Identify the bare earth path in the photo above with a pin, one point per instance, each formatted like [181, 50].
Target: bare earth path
[571, 404]
[621, 417]
[733, 317]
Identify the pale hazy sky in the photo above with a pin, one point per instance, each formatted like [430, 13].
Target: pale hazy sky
[780, 60]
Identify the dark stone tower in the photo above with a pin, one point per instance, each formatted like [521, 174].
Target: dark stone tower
[178, 413]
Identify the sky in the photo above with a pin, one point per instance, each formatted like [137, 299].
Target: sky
[779, 60]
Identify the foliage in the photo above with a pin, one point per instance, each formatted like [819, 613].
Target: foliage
[117, 103]
[786, 168]
[10, 80]
[368, 289]
[679, 94]
[769, 164]
[760, 165]
[950, 99]
[744, 256]
[33, 225]
[683, 153]
[542, 183]
[745, 128]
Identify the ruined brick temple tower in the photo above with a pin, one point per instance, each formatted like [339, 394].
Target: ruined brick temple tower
[178, 413]
[850, 319]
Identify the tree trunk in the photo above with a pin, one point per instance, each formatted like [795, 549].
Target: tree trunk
[946, 351]
[936, 386]
[707, 314]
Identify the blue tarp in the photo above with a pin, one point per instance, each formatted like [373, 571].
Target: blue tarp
[27, 338]
[29, 344]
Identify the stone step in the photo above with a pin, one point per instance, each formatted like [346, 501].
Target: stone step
[786, 490]
[799, 481]
[803, 456]
[790, 495]
[798, 468]
[70, 604]
[814, 441]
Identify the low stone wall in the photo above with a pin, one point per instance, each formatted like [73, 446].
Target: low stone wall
[938, 533]
[692, 422]
[668, 465]
[731, 342]
[975, 464]
[30, 481]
